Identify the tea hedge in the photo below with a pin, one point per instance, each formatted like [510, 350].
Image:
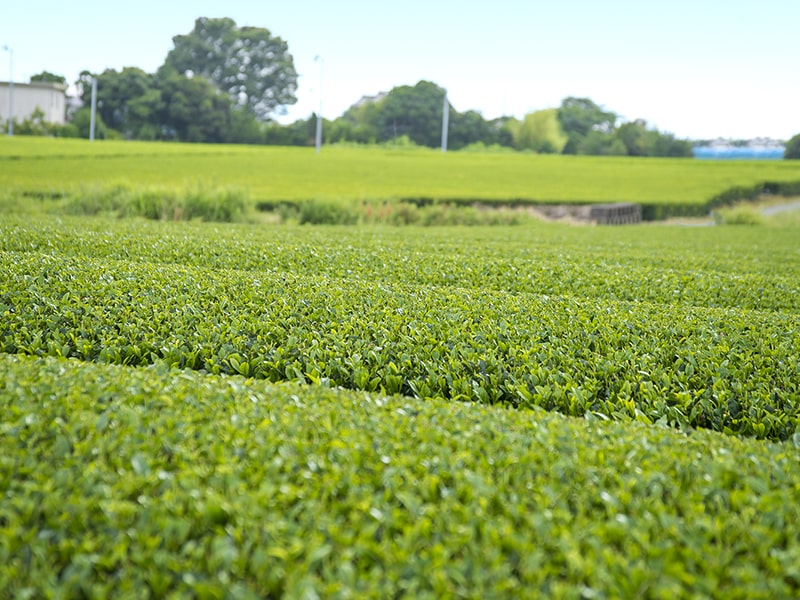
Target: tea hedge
[732, 370]
[708, 267]
[273, 174]
[124, 482]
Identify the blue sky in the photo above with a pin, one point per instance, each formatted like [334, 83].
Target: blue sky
[696, 68]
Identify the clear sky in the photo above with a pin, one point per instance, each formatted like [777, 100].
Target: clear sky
[696, 68]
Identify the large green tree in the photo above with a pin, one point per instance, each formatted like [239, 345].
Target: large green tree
[792, 149]
[249, 64]
[415, 111]
[166, 105]
[579, 117]
[470, 127]
[635, 136]
[126, 100]
[193, 110]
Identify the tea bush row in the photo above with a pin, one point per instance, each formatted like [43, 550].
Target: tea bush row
[123, 482]
[662, 265]
[736, 371]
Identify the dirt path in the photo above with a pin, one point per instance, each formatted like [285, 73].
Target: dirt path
[780, 208]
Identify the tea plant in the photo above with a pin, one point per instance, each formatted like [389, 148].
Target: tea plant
[153, 482]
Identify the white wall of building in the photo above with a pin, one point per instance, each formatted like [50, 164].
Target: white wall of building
[50, 97]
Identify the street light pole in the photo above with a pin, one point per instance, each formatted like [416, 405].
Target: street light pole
[319, 114]
[445, 121]
[93, 114]
[10, 90]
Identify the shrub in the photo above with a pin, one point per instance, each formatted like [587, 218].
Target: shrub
[208, 203]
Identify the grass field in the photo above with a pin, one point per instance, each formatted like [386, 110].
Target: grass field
[46, 167]
[215, 410]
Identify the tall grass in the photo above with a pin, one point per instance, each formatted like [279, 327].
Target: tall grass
[196, 201]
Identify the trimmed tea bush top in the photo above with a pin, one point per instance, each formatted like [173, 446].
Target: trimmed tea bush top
[440, 335]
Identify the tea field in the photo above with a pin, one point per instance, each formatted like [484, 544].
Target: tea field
[42, 168]
[205, 410]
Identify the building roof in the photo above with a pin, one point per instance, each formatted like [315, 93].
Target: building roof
[42, 85]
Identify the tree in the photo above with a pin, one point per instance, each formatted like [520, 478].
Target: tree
[299, 133]
[635, 136]
[81, 120]
[413, 111]
[600, 143]
[469, 128]
[579, 116]
[126, 100]
[539, 131]
[48, 77]
[253, 67]
[193, 110]
[792, 149]
[359, 124]
[668, 145]
[639, 140]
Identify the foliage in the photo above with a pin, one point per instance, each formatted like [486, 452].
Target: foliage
[578, 117]
[739, 215]
[592, 130]
[82, 122]
[599, 143]
[208, 203]
[415, 112]
[48, 77]
[171, 481]
[152, 482]
[164, 106]
[792, 149]
[490, 327]
[249, 64]
[193, 111]
[470, 127]
[300, 133]
[126, 100]
[35, 124]
[539, 131]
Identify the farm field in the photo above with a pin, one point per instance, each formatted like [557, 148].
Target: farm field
[40, 167]
[233, 410]
[128, 482]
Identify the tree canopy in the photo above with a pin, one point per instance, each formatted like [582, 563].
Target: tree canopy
[252, 66]
[166, 106]
[792, 149]
[48, 77]
[539, 131]
[581, 116]
[224, 83]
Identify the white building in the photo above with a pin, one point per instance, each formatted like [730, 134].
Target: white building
[49, 97]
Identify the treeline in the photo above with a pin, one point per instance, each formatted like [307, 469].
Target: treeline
[578, 126]
[167, 105]
[223, 83]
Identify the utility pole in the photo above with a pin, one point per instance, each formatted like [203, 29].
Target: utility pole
[319, 114]
[94, 109]
[10, 90]
[445, 121]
